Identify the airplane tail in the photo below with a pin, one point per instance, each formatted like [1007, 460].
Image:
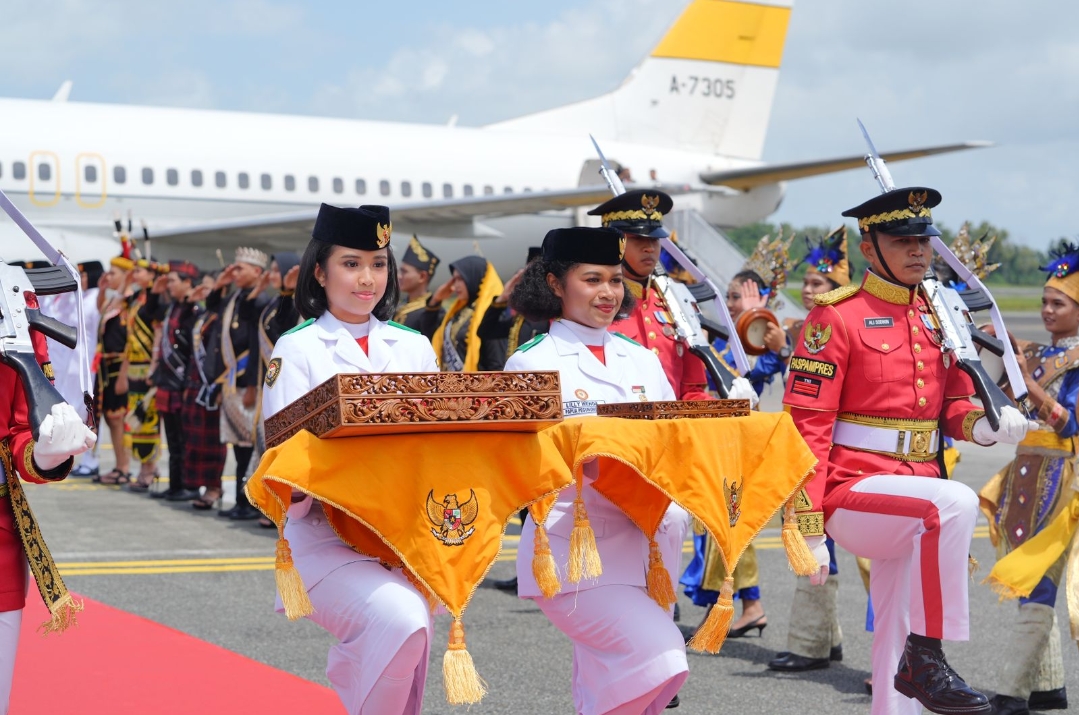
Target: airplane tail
[707, 86]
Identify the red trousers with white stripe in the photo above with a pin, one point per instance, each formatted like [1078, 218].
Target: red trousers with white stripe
[917, 532]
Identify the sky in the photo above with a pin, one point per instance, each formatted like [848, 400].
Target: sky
[918, 73]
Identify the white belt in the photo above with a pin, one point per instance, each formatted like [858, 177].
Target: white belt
[906, 444]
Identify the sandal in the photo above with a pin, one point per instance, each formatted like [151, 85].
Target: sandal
[266, 523]
[115, 477]
[141, 485]
[204, 503]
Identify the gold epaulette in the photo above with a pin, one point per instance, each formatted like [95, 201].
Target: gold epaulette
[836, 296]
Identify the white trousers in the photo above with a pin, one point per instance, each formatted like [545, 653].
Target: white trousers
[917, 532]
[10, 623]
[624, 647]
[379, 667]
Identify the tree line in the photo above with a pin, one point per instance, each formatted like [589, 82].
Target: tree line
[1019, 265]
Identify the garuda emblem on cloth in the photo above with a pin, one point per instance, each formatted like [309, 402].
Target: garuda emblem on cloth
[732, 497]
[453, 520]
[816, 337]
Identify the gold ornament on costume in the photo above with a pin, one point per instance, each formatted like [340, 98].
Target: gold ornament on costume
[816, 337]
[771, 261]
[383, 233]
[974, 253]
[452, 518]
[417, 248]
[732, 497]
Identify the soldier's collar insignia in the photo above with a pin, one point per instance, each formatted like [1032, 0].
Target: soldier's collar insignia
[452, 519]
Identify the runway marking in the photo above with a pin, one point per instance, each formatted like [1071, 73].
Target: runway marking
[266, 563]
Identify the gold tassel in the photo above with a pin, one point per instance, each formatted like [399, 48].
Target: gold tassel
[799, 556]
[459, 677]
[543, 567]
[583, 554]
[289, 584]
[660, 588]
[710, 636]
[63, 615]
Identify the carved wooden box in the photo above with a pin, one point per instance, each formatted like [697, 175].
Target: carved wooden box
[352, 405]
[675, 409]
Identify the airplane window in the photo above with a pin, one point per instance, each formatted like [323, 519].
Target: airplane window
[18, 170]
[147, 175]
[44, 171]
[312, 184]
[507, 190]
[468, 189]
[488, 190]
[361, 186]
[219, 179]
[406, 188]
[447, 191]
[290, 182]
[119, 174]
[338, 185]
[427, 191]
[172, 177]
[89, 173]
[267, 181]
[384, 187]
[196, 177]
[243, 180]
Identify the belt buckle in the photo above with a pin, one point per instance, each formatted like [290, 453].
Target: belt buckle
[920, 441]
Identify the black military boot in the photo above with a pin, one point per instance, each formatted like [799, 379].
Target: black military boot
[925, 676]
[1056, 699]
[1007, 705]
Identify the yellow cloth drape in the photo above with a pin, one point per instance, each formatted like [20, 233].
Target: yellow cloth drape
[490, 288]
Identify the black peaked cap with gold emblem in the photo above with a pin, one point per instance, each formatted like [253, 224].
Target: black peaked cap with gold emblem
[366, 228]
[417, 256]
[899, 212]
[598, 246]
[639, 212]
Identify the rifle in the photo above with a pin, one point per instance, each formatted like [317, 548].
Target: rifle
[953, 314]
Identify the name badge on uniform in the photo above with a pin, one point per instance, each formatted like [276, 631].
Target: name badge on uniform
[885, 322]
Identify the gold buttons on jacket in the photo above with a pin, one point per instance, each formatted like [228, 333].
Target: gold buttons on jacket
[651, 335]
[884, 346]
[647, 320]
[921, 402]
[914, 329]
[920, 383]
[655, 350]
[917, 347]
[921, 365]
[910, 313]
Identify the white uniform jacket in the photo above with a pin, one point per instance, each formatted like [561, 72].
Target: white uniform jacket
[632, 373]
[310, 355]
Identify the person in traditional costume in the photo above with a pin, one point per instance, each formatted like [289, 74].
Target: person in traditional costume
[628, 654]
[173, 361]
[1033, 506]
[877, 490]
[456, 338]
[111, 347]
[204, 453]
[143, 314]
[414, 273]
[347, 291]
[62, 435]
[502, 323]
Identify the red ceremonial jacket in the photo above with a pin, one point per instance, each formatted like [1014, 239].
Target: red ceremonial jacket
[872, 351]
[651, 325]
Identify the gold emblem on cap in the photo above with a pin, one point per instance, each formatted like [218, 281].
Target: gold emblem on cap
[621, 247]
[916, 199]
[418, 249]
[382, 234]
[649, 203]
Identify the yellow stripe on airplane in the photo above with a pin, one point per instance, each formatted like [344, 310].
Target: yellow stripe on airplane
[739, 33]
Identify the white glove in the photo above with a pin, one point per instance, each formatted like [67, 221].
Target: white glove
[742, 389]
[1013, 428]
[62, 435]
[820, 553]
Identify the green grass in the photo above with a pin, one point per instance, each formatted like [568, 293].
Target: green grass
[1019, 303]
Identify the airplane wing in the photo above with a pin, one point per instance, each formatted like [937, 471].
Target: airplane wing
[454, 217]
[748, 178]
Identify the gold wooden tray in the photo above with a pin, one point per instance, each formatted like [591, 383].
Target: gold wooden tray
[353, 405]
[675, 409]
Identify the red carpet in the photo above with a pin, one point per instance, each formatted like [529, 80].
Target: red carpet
[118, 663]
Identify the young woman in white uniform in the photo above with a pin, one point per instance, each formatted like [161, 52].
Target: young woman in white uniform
[346, 290]
[628, 655]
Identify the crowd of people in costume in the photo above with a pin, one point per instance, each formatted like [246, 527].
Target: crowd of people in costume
[207, 356]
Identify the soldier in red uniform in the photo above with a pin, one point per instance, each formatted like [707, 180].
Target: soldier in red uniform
[871, 392]
[62, 435]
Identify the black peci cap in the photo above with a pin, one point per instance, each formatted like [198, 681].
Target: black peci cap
[367, 228]
[599, 246]
[900, 212]
[639, 212]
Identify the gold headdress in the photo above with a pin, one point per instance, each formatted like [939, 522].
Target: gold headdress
[974, 254]
[772, 262]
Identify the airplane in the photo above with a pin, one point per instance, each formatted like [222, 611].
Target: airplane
[692, 116]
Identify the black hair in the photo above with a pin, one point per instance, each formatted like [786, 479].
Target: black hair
[310, 297]
[534, 299]
[742, 276]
